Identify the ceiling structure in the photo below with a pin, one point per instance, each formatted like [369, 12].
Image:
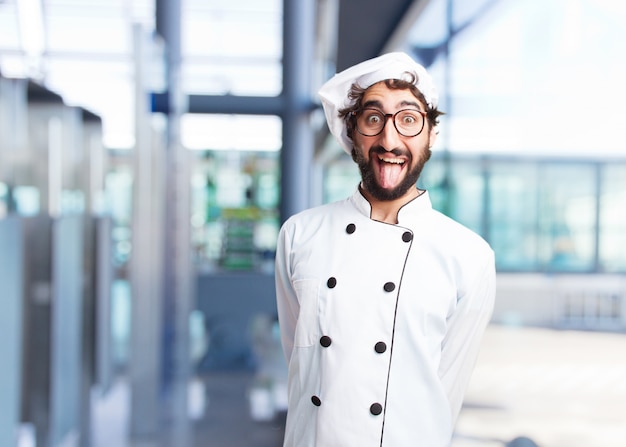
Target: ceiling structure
[83, 49]
[87, 56]
[366, 28]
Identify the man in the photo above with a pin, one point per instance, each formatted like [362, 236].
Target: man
[382, 301]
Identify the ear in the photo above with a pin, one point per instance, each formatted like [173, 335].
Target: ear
[432, 137]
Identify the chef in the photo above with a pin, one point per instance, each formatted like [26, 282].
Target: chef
[382, 301]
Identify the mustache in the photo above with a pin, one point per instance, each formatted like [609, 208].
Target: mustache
[379, 150]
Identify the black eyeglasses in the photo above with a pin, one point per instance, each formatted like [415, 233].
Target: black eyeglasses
[371, 122]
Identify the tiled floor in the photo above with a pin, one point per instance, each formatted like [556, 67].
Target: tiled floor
[228, 422]
[225, 422]
[558, 388]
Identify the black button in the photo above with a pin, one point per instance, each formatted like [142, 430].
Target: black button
[407, 236]
[332, 282]
[389, 287]
[316, 401]
[325, 341]
[351, 228]
[380, 347]
[376, 409]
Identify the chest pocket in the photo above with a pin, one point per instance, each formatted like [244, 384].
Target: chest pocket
[307, 328]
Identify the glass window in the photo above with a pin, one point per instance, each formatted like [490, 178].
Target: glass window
[466, 194]
[4, 200]
[567, 217]
[456, 187]
[512, 215]
[235, 189]
[235, 217]
[434, 180]
[232, 47]
[119, 197]
[341, 180]
[612, 237]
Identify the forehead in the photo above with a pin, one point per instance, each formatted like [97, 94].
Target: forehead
[382, 96]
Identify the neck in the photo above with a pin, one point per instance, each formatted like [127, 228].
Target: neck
[387, 210]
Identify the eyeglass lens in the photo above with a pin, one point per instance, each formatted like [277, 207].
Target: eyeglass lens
[408, 122]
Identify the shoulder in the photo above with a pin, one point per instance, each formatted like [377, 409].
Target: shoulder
[317, 216]
[456, 238]
[313, 226]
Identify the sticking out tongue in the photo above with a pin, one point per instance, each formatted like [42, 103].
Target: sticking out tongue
[389, 173]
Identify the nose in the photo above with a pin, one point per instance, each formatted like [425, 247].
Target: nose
[389, 137]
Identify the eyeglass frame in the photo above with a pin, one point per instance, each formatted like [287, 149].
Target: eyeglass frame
[386, 117]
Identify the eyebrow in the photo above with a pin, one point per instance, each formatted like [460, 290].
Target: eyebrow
[377, 104]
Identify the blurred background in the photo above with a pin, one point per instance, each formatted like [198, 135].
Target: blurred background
[150, 149]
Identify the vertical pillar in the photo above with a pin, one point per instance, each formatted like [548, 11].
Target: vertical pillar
[177, 266]
[12, 280]
[145, 343]
[447, 184]
[597, 192]
[298, 139]
[66, 336]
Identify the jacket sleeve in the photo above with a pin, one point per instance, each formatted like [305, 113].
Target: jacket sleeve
[466, 327]
[287, 303]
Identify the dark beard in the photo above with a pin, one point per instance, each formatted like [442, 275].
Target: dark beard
[369, 179]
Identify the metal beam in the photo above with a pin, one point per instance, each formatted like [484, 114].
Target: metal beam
[228, 104]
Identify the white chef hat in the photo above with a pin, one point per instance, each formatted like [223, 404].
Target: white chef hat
[334, 93]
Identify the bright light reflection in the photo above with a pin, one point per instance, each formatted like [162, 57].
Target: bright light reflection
[537, 77]
[30, 16]
[231, 132]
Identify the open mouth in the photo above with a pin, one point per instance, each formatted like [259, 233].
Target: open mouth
[397, 161]
[390, 170]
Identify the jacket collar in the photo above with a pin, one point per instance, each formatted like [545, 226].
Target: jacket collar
[407, 214]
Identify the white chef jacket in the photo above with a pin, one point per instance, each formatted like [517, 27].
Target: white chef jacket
[380, 323]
